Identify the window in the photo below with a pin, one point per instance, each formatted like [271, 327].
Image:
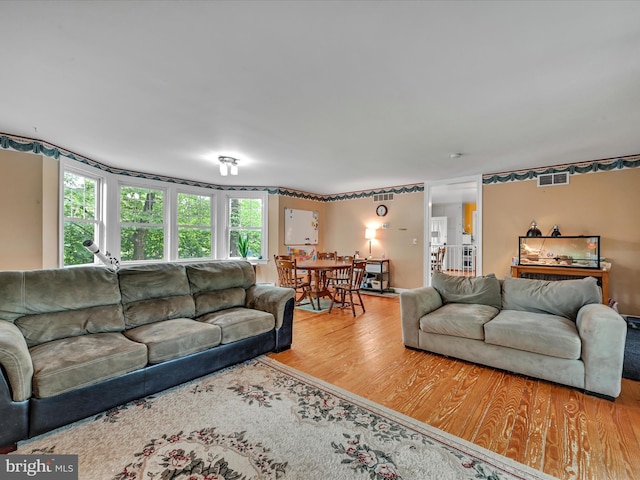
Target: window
[140, 220]
[142, 226]
[195, 233]
[81, 217]
[247, 217]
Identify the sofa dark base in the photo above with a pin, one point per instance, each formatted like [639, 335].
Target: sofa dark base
[40, 415]
[284, 335]
[600, 395]
[15, 415]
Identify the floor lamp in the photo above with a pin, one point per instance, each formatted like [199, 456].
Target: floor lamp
[370, 234]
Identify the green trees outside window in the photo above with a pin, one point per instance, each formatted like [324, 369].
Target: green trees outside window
[141, 223]
[195, 234]
[80, 217]
[245, 218]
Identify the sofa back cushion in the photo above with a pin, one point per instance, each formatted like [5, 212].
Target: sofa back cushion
[154, 293]
[220, 284]
[58, 303]
[477, 290]
[561, 297]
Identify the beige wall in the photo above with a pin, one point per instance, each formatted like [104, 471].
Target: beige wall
[603, 203]
[341, 229]
[346, 221]
[29, 213]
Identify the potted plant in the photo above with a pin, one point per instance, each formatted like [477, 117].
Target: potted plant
[243, 246]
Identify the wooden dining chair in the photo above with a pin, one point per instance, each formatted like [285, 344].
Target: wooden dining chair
[323, 277]
[358, 269]
[288, 277]
[339, 276]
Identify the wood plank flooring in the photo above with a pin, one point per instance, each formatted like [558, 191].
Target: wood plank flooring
[549, 427]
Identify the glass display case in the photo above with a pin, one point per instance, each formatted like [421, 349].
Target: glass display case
[574, 252]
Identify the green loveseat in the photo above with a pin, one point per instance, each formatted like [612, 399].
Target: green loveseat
[553, 330]
[77, 341]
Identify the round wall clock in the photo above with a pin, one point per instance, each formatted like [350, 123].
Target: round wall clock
[381, 210]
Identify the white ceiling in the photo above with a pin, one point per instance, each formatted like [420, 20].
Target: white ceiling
[324, 97]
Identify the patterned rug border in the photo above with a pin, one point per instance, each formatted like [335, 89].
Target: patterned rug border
[506, 465]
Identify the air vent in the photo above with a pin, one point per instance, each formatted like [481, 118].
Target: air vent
[553, 179]
[383, 197]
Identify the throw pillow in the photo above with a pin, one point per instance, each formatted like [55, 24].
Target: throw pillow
[479, 290]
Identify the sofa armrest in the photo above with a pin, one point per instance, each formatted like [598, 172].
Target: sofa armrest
[270, 299]
[603, 334]
[16, 361]
[414, 304]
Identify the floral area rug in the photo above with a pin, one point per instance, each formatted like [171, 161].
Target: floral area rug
[264, 420]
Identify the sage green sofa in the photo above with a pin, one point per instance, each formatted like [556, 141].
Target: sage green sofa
[78, 341]
[552, 330]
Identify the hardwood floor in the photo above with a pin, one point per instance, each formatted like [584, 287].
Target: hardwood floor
[549, 427]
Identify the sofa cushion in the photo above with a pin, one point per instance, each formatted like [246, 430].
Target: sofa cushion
[46, 327]
[239, 323]
[220, 275]
[154, 293]
[143, 282]
[70, 363]
[561, 297]
[158, 309]
[57, 303]
[175, 338]
[475, 290]
[458, 320]
[541, 333]
[40, 291]
[207, 302]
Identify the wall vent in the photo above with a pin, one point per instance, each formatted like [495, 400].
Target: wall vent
[553, 179]
[383, 197]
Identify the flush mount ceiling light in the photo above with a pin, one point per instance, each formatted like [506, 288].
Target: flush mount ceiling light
[455, 155]
[226, 164]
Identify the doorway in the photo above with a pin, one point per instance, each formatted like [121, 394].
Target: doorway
[451, 199]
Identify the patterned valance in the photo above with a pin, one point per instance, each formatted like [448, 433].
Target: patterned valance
[618, 163]
[39, 147]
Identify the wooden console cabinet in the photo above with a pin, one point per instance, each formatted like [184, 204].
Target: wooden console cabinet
[563, 273]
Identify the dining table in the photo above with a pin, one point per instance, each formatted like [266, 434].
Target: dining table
[318, 269]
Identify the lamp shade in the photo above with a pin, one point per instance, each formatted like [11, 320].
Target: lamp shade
[370, 233]
[534, 231]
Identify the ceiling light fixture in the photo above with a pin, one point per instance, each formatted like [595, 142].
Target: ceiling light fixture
[455, 155]
[228, 164]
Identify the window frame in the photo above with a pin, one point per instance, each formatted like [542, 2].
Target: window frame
[117, 230]
[76, 168]
[174, 227]
[225, 244]
[108, 208]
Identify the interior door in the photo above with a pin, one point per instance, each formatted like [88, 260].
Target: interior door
[438, 230]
